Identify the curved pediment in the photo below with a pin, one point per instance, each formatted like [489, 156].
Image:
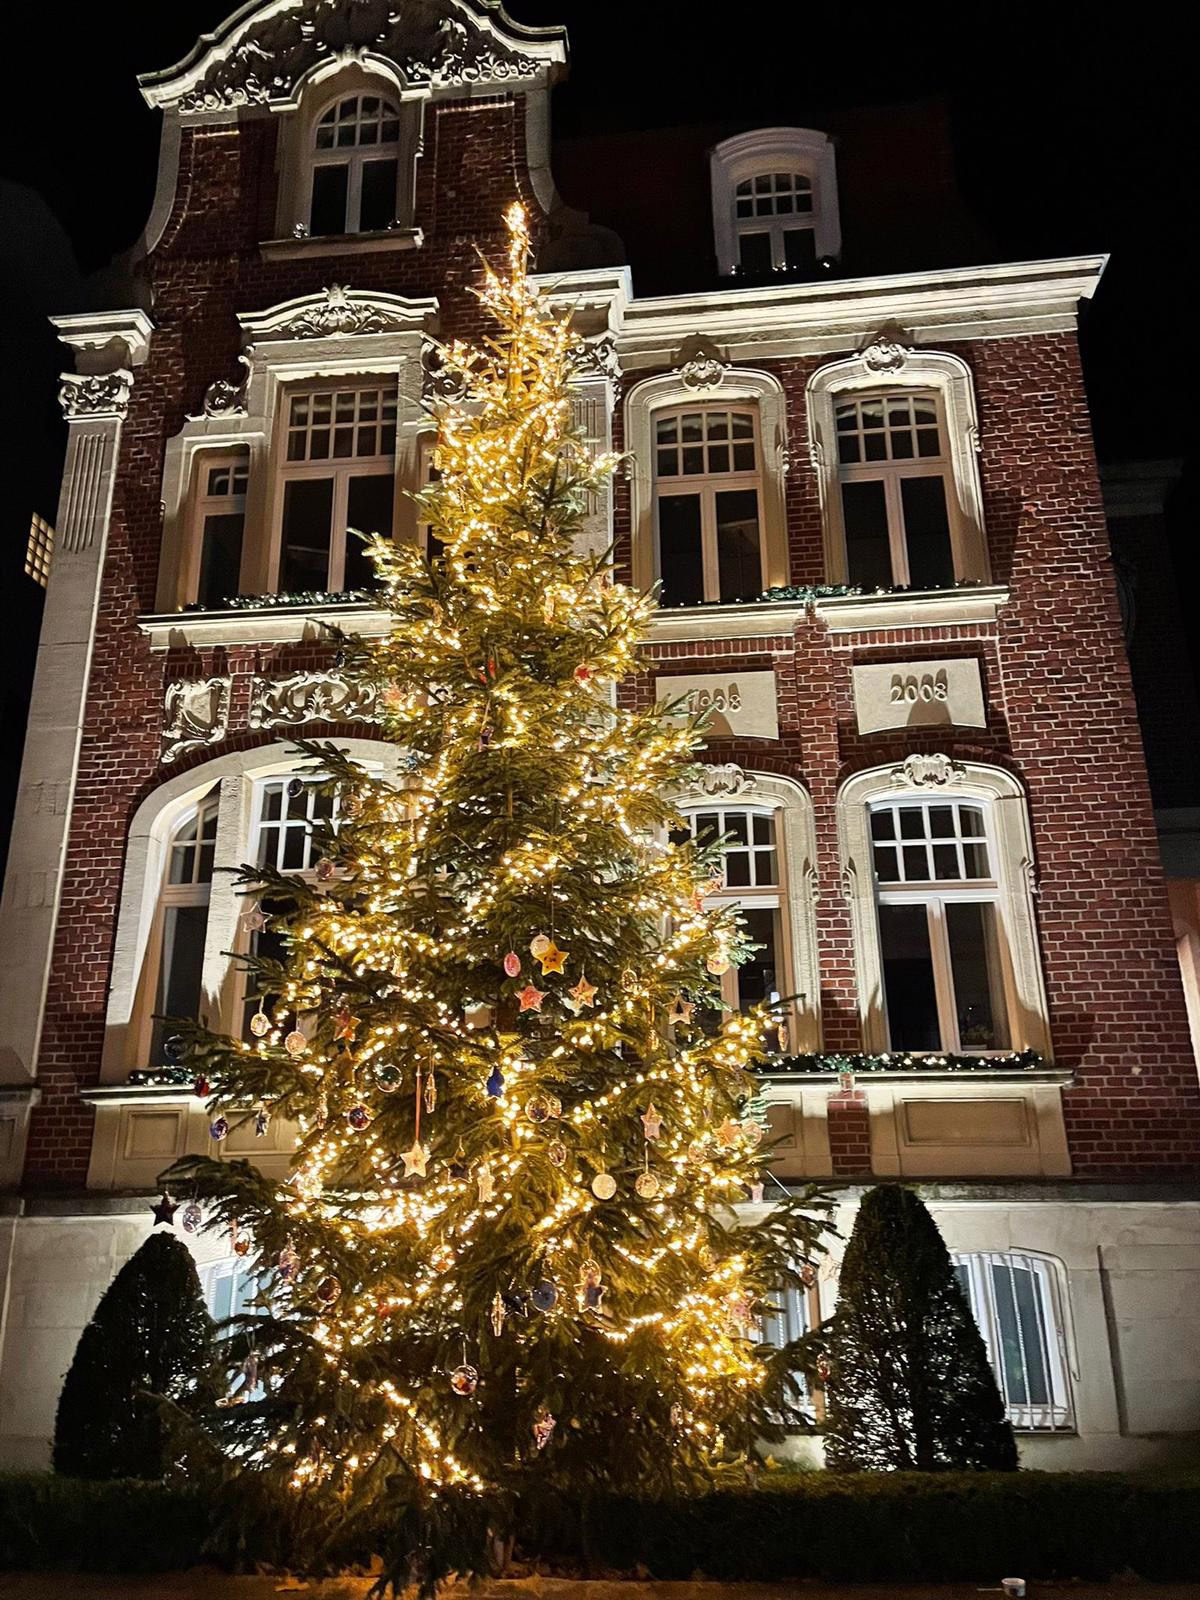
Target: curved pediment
[267, 50]
[335, 312]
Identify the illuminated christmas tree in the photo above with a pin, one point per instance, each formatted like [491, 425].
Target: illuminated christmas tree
[506, 1265]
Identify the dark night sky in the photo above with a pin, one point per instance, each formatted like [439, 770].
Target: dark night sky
[1073, 132]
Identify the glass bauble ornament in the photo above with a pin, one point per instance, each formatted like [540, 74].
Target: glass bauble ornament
[718, 965]
[174, 1046]
[495, 1083]
[192, 1217]
[359, 1118]
[555, 1105]
[260, 1024]
[324, 870]
[538, 946]
[542, 1430]
[537, 1108]
[295, 788]
[201, 1088]
[218, 1128]
[388, 1078]
[464, 1380]
[696, 1152]
[512, 964]
[544, 1296]
[556, 1153]
[604, 1186]
[241, 1246]
[328, 1290]
[287, 1262]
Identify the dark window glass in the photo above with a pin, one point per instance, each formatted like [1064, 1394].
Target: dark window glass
[908, 978]
[970, 929]
[739, 565]
[927, 533]
[220, 558]
[868, 554]
[754, 252]
[800, 249]
[377, 207]
[756, 976]
[269, 945]
[1023, 1336]
[680, 554]
[179, 973]
[369, 506]
[328, 212]
[307, 514]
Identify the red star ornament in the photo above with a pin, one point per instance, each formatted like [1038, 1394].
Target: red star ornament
[530, 999]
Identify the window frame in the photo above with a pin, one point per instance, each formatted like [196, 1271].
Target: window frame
[1056, 1415]
[205, 505]
[706, 486]
[776, 224]
[804, 151]
[195, 892]
[353, 157]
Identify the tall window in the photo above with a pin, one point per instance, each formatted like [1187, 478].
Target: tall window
[183, 923]
[339, 472]
[39, 551]
[708, 495]
[221, 521]
[938, 902]
[751, 880]
[1017, 1300]
[773, 222]
[355, 166]
[893, 473]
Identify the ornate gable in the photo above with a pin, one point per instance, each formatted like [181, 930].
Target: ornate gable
[265, 51]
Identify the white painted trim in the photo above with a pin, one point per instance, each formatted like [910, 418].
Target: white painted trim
[934, 608]
[792, 149]
[205, 630]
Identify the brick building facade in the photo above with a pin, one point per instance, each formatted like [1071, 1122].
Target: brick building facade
[873, 507]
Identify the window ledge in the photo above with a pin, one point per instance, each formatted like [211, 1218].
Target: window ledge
[342, 244]
[862, 1080]
[267, 624]
[911, 608]
[137, 1094]
[747, 619]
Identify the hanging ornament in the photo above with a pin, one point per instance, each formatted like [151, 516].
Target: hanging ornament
[201, 1088]
[530, 999]
[756, 1193]
[647, 1185]
[604, 1186]
[344, 1025]
[328, 1290]
[628, 979]
[442, 1259]
[295, 1044]
[464, 1380]
[414, 1160]
[388, 1078]
[556, 1153]
[495, 1083]
[174, 1047]
[581, 995]
[192, 1217]
[678, 1416]
[752, 1134]
[555, 1105]
[322, 1116]
[740, 1312]
[430, 1093]
[845, 1079]
[591, 1290]
[582, 673]
[718, 964]
[458, 1169]
[552, 958]
[262, 1121]
[727, 1134]
[288, 1263]
[538, 946]
[359, 1118]
[250, 1373]
[260, 1024]
[324, 870]
[218, 1128]
[512, 963]
[484, 1183]
[295, 788]
[652, 1122]
[352, 804]
[544, 1296]
[543, 1427]
[241, 1245]
[498, 1313]
[681, 1011]
[484, 741]
[697, 1152]
[164, 1212]
[537, 1108]
[255, 919]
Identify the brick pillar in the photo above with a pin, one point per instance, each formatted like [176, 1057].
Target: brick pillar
[849, 1134]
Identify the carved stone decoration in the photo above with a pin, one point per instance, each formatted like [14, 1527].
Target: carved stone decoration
[1030, 873]
[849, 882]
[724, 779]
[340, 313]
[224, 399]
[927, 771]
[271, 58]
[95, 394]
[440, 381]
[701, 365]
[309, 697]
[885, 353]
[598, 357]
[195, 713]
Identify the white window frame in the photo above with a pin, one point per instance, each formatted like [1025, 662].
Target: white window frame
[354, 157]
[1057, 1415]
[775, 224]
[733, 389]
[1003, 800]
[800, 150]
[706, 486]
[195, 892]
[886, 368]
[205, 505]
[751, 897]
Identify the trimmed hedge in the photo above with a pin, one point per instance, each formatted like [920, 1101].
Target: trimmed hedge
[865, 1527]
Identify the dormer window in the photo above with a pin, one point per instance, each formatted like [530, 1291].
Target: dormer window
[355, 166]
[775, 206]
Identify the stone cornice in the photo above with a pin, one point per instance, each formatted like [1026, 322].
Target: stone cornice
[865, 613]
[243, 628]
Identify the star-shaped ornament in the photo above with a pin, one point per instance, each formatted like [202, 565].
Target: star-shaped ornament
[580, 995]
[727, 1133]
[164, 1212]
[255, 920]
[344, 1025]
[530, 999]
[652, 1122]
[552, 958]
[681, 1011]
[414, 1160]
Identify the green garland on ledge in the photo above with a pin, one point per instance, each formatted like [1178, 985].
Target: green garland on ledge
[904, 1061]
[300, 597]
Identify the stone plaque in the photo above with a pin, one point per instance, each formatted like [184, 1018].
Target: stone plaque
[741, 704]
[919, 694]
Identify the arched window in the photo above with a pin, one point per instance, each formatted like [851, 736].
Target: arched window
[182, 925]
[1019, 1301]
[775, 202]
[773, 221]
[708, 494]
[355, 166]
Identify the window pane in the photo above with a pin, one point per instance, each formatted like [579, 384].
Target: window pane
[737, 827]
[739, 564]
[883, 825]
[1023, 1341]
[377, 209]
[179, 973]
[800, 249]
[908, 978]
[220, 558]
[927, 533]
[868, 555]
[680, 555]
[754, 252]
[369, 506]
[974, 961]
[307, 514]
[941, 822]
[886, 868]
[737, 869]
[756, 977]
[329, 187]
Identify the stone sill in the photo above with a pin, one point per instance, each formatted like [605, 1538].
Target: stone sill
[342, 244]
[862, 1080]
[267, 625]
[855, 613]
[130, 1094]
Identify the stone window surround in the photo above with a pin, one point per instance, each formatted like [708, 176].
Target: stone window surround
[802, 150]
[882, 367]
[131, 987]
[721, 385]
[1008, 819]
[795, 841]
[1062, 1346]
[282, 353]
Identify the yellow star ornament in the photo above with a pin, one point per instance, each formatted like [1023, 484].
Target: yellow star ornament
[552, 958]
[414, 1160]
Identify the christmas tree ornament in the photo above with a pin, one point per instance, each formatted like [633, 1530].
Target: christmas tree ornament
[544, 1296]
[415, 1160]
[255, 920]
[678, 1416]
[647, 1185]
[218, 1128]
[581, 996]
[288, 1263]
[359, 1118]
[846, 1079]
[464, 1380]
[484, 1184]
[543, 1427]
[552, 958]
[512, 964]
[324, 870]
[537, 1108]
[192, 1217]
[556, 1153]
[295, 788]
[538, 946]
[260, 1024]
[241, 1245]
[752, 1134]
[295, 1044]
[740, 1313]
[718, 964]
[652, 1122]
[628, 979]
[328, 1290]
[604, 1186]
[728, 1133]
[498, 1314]
[590, 1289]
[495, 1083]
[352, 804]
[201, 1088]
[555, 1105]
[681, 1010]
[530, 999]
[174, 1046]
[430, 1093]
[697, 1152]
[387, 1077]
[582, 674]
[164, 1213]
[344, 1026]
[756, 1193]
[322, 1113]
[262, 1121]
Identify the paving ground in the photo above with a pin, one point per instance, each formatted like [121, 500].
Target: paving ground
[207, 1585]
